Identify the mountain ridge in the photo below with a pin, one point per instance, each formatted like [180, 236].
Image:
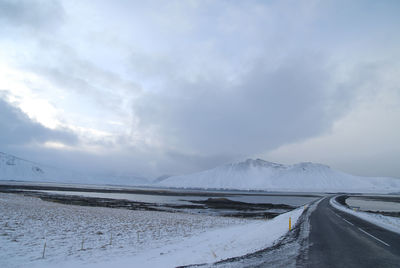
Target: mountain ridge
[248, 174]
[258, 174]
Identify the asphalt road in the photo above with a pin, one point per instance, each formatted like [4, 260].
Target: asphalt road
[325, 237]
[338, 239]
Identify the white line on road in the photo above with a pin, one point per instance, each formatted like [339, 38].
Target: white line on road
[347, 221]
[343, 219]
[336, 214]
[386, 244]
[365, 232]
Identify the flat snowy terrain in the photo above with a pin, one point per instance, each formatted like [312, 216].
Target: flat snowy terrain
[27, 223]
[262, 175]
[214, 245]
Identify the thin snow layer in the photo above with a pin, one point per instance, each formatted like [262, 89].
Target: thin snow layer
[26, 223]
[15, 168]
[215, 245]
[386, 222]
[290, 252]
[262, 175]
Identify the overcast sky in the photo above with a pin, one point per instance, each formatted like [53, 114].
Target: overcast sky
[169, 87]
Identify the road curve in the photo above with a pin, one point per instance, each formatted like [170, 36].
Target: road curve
[325, 237]
[338, 239]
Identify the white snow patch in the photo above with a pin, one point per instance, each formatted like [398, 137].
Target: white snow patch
[386, 222]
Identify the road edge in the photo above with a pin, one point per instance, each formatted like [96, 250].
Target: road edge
[366, 216]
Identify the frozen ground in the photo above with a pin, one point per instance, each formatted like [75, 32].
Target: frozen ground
[215, 245]
[386, 222]
[26, 223]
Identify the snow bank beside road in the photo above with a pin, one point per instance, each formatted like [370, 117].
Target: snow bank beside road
[215, 245]
[386, 222]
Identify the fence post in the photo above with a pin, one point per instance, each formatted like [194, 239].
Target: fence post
[44, 249]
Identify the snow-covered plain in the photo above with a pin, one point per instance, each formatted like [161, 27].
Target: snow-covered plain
[139, 238]
[386, 222]
[214, 245]
[27, 223]
[262, 175]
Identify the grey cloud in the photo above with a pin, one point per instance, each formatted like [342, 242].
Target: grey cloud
[270, 107]
[176, 162]
[223, 80]
[17, 129]
[32, 14]
[70, 71]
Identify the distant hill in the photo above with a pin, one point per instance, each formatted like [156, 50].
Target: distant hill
[161, 178]
[13, 168]
[262, 175]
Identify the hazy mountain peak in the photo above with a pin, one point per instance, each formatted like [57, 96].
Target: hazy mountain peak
[258, 174]
[249, 162]
[310, 165]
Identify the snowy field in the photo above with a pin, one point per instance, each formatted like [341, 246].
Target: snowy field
[215, 245]
[77, 236]
[386, 222]
[107, 234]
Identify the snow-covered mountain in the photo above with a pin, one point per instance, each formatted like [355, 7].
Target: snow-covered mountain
[246, 175]
[161, 178]
[262, 175]
[18, 169]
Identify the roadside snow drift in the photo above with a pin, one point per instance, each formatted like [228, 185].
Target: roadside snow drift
[262, 175]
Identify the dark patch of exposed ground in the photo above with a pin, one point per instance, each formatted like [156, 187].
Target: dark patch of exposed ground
[212, 206]
[145, 191]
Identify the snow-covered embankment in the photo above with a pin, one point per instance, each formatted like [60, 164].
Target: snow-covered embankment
[386, 222]
[216, 245]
